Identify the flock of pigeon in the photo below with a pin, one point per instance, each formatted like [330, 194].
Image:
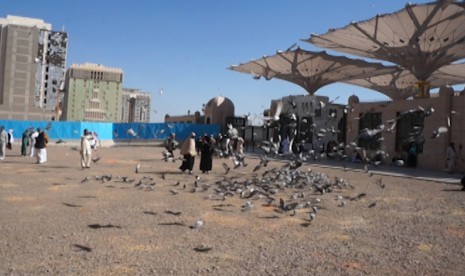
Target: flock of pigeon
[277, 181]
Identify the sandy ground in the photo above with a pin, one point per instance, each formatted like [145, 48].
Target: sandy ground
[54, 222]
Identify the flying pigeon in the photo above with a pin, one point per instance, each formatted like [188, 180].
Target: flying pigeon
[226, 168]
[48, 126]
[131, 132]
[437, 132]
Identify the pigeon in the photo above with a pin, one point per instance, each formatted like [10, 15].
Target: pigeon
[48, 126]
[137, 168]
[312, 216]
[380, 183]
[60, 141]
[198, 224]
[87, 178]
[95, 160]
[257, 167]
[226, 168]
[264, 160]
[437, 132]
[247, 207]
[131, 132]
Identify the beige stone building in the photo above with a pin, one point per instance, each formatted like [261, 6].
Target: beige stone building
[413, 121]
[195, 118]
[93, 93]
[217, 111]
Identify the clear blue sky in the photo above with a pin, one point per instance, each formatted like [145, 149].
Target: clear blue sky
[185, 46]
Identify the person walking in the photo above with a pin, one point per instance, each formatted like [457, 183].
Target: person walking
[86, 149]
[33, 136]
[206, 154]
[170, 144]
[41, 146]
[24, 142]
[188, 150]
[412, 155]
[11, 139]
[3, 142]
[450, 158]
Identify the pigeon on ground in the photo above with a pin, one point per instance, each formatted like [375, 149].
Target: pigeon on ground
[247, 207]
[198, 224]
[137, 168]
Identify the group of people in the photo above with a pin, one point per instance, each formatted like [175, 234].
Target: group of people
[206, 147]
[33, 139]
[189, 151]
[36, 141]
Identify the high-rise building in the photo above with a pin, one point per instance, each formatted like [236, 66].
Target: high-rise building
[136, 106]
[93, 93]
[32, 68]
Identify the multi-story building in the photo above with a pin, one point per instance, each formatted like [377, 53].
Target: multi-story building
[93, 93]
[32, 67]
[136, 106]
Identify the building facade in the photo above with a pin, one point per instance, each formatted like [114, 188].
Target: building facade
[32, 69]
[93, 93]
[217, 110]
[310, 119]
[195, 118]
[136, 106]
[413, 122]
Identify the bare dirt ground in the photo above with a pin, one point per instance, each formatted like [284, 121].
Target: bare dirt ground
[54, 223]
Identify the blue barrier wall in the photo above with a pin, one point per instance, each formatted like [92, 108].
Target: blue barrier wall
[160, 131]
[111, 131]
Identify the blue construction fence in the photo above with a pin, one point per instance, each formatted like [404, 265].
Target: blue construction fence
[111, 131]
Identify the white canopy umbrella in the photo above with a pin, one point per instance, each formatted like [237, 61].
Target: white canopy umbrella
[311, 70]
[421, 38]
[401, 84]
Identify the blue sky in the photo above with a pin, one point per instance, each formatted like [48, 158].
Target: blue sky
[185, 46]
